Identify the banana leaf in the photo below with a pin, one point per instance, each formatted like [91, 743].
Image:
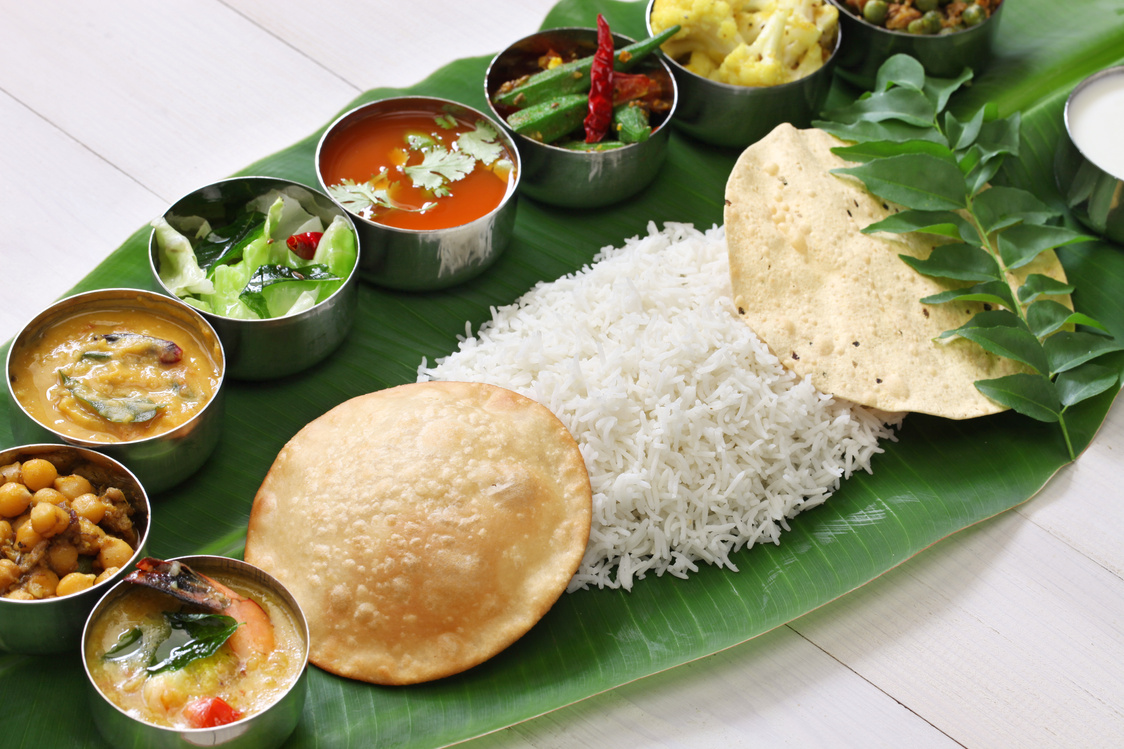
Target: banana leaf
[595, 640]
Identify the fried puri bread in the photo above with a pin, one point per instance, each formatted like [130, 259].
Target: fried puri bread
[840, 306]
[423, 528]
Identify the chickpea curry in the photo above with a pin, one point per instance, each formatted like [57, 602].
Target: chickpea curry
[60, 533]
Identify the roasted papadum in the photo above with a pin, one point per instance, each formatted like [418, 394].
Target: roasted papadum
[841, 306]
[423, 528]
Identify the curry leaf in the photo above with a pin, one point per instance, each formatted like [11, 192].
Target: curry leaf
[942, 223]
[1037, 284]
[864, 130]
[1021, 244]
[1010, 342]
[1029, 394]
[895, 178]
[880, 149]
[1047, 316]
[1067, 350]
[961, 135]
[1082, 383]
[959, 262]
[900, 70]
[999, 207]
[992, 292]
[939, 90]
[207, 633]
[901, 104]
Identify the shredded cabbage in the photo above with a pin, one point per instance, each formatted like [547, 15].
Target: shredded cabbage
[225, 289]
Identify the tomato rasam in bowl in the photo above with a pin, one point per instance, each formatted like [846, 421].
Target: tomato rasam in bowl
[72, 523]
[430, 184]
[133, 374]
[199, 650]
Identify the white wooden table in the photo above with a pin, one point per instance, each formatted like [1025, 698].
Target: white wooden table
[1008, 634]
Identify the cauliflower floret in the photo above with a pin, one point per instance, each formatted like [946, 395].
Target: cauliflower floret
[708, 27]
[760, 63]
[747, 42]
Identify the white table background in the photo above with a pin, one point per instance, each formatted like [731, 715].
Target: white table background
[1008, 634]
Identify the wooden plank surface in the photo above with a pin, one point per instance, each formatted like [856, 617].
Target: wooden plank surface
[1007, 634]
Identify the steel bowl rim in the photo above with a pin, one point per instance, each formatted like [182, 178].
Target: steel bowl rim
[357, 110]
[121, 290]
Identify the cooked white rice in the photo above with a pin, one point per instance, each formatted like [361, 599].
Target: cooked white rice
[698, 442]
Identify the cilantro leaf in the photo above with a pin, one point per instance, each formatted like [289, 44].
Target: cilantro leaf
[480, 143]
[439, 166]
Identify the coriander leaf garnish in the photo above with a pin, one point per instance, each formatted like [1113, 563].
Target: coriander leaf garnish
[939, 168]
[439, 166]
[480, 143]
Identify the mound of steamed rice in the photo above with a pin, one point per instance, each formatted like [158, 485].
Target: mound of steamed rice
[698, 442]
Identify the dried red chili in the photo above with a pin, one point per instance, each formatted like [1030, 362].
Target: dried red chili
[600, 85]
[304, 245]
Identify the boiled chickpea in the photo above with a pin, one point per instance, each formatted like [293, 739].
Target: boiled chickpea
[89, 506]
[19, 594]
[9, 573]
[73, 485]
[38, 473]
[62, 557]
[49, 520]
[75, 582]
[107, 573]
[26, 536]
[42, 583]
[14, 499]
[11, 472]
[114, 552]
[6, 532]
[50, 495]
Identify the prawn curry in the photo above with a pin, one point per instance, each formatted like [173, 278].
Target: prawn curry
[181, 649]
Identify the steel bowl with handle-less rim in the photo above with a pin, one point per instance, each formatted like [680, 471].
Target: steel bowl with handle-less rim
[427, 259]
[159, 461]
[582, 179]
[54, 625]
[267, 728]
[269, 348]
[732, 116]
[866, 46]
[1093, 193]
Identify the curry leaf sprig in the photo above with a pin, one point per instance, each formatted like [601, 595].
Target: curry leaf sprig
[938, 168]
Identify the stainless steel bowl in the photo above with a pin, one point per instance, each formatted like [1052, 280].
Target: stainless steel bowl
[727, 115]
[426, 260]
[54, 625]
[1094, 195]
[162, 460]
[262, 730]
[581, 179]
[275, 347]
[866, 46]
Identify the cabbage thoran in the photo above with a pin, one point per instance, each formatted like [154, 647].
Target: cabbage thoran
[748, 42]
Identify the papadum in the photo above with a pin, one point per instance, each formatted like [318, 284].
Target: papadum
[839, 306]
[423, 528]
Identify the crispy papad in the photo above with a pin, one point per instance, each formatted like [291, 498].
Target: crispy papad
[840, 306]
[423, 528]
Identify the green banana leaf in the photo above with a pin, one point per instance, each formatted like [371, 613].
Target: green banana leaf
[596, 640]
